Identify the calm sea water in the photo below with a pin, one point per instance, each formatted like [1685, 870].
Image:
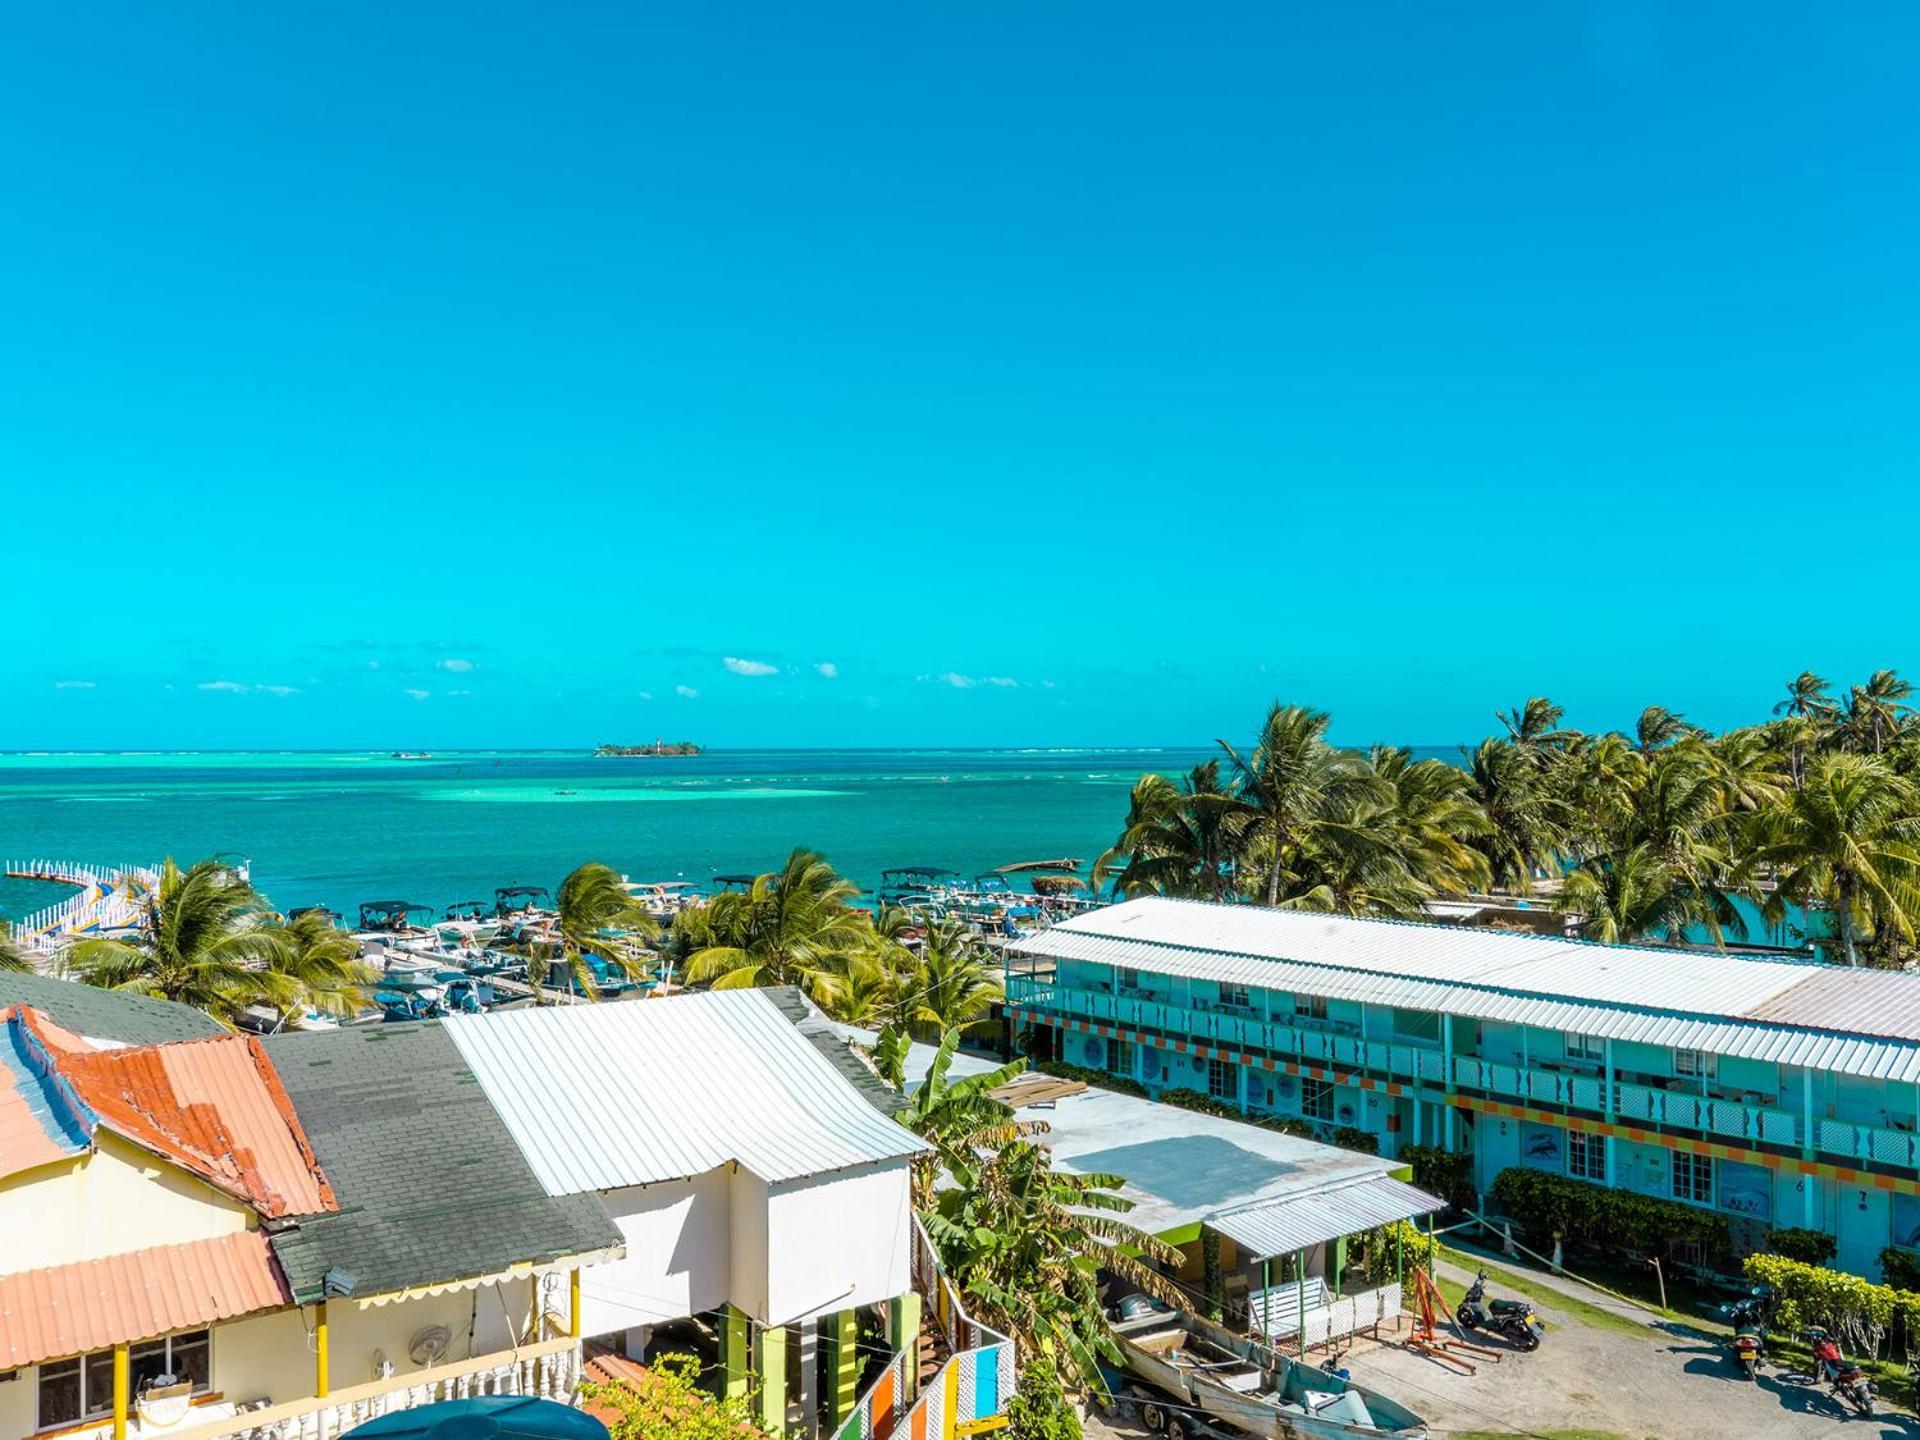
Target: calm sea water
[337, 829]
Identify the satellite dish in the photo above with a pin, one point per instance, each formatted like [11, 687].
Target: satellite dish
[430, 1345]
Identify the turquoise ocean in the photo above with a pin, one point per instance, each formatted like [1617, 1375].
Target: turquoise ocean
[339, 829]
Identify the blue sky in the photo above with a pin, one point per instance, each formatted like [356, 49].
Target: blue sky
[1000, 373]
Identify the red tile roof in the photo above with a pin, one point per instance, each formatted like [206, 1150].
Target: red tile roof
[93, 1304]
[216, 1107]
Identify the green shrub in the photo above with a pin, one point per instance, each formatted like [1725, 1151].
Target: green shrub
[1546, 1205]
[1810, 1247]
[1858, 1312]
[1372, 1253]
[1348, 1138]
[1442, 1173]
[1039, 1409]
[1120, 1084]
[1900, 1268]
[1210, 1105]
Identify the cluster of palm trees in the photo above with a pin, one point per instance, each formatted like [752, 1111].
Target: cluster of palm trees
[1023, 1241]
[1657, 835]
[802, 925]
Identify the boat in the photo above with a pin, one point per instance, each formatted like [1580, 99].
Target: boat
[1238, 1381]
[664, 899]
[468, 923]
[914, 885]
[393, 917]
[517, 902]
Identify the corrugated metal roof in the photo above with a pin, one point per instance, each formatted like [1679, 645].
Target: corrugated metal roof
[600, 1097]
[93, 1304]
[40, 1122]
[1299, 1222]
[215, 1107]
[1873, 1002]
[1697, 1000]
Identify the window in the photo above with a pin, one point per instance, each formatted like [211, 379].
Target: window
[1416, 1024]
[1586, 1047]
[81, 1388]
[1119, 1057]
[1235, 995]
[1697, 1063]
[1316, 1099]
[1313, 1007]
[1587, 1156]
[1223, 1080]
[1128, 979]
[1693, 1178]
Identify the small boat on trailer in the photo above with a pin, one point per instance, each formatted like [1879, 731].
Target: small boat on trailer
[1238, 1382]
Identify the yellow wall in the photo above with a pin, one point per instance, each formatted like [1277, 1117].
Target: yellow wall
[270, 1356]
[117, 1198]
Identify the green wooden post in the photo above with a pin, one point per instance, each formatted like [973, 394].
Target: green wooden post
[771, 1409]
[735, 1342]
[1339, 1262]
[846, 1364]
[1300, 1295]
[903, 1333]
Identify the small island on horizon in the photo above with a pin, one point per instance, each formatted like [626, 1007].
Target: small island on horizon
[658, 747]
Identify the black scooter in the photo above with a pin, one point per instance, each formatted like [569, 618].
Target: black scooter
[1749, 1343]
[1512, 1318]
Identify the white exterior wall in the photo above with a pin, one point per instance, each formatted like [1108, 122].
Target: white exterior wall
[679, 1258]
[838, 1241]
[747, 1244]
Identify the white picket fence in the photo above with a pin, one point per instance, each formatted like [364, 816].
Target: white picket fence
[1277, 1312]
[107, 899]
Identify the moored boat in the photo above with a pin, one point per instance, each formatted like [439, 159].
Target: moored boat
[1240, 1382]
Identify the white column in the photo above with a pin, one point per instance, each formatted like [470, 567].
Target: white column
[806, 1354]
[635, 1342]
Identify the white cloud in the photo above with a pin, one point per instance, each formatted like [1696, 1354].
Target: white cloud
[457, 667]
[969, 682]
[957, 681]
[73, 684]
[459, 692]
[281, 690]
[226, 687]
[749, 667]
[828, 669]
[646, 694]
[686, 692]
[373, 664]
[1005, 682]
[418, 694]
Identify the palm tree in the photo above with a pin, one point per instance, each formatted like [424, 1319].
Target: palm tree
[1624, 898]
[598, 916]
[13, 957]
[318, 965]
[1027, 1242]
[1850, 840]
[960, 1119]
[954, 983]
[203, 939]
[1525, 820]
[1180, 839]
[1808, 707]
[795, 926]
[1294, 782]
[1534, 726]
[1438, 819]
[1876, 710]
[1658, 726]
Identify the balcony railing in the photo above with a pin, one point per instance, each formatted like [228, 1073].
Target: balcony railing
[969, 1395]
[1633, 1103]
[549, 1369]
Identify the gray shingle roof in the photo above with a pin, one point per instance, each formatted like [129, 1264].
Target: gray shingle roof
[822, 1034]
[116, 1015]
[431, 1186]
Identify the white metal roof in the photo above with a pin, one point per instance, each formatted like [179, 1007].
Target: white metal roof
[600, 1097]
[1299, 1222]
[1694, 999]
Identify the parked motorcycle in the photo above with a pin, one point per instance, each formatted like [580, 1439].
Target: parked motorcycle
[1848, 1382]
[1512, 1318]
[1749, 1318]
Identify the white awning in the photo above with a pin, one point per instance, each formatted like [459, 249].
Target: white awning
[1299, 1222]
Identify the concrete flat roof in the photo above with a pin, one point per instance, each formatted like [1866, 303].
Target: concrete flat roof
[1181, 1166]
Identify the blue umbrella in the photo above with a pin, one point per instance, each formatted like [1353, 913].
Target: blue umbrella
[484, 1417]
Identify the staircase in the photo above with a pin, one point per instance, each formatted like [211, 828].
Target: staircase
[930, 1352]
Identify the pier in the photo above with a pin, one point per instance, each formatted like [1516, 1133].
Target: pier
[106, 899]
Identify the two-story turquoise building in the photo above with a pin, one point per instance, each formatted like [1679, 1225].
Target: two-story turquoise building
[1779, 1092]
